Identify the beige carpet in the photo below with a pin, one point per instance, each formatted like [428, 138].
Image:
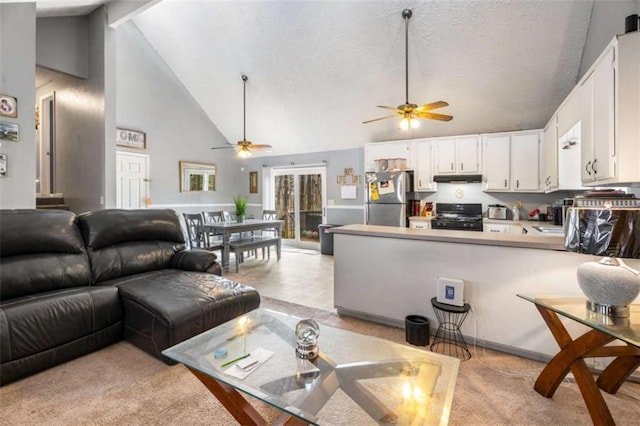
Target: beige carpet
[122, 385]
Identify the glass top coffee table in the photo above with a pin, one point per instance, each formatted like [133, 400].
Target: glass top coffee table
[356, 379]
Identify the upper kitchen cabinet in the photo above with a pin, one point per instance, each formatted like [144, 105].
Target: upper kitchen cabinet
[423, 162]
[511, 162]
[549, 155]
[394, 149]
[497, 156]
[610, 135]
[459, 155]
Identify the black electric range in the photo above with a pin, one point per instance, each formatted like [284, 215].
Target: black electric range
[462, 216]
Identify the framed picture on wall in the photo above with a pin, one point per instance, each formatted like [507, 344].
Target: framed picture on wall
[253, 182]
[9, 132]
[8, 106]
[131, 138]
[3, 165]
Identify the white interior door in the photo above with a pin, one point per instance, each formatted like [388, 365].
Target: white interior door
[132, 177]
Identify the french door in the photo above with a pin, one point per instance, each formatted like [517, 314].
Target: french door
[299, 197]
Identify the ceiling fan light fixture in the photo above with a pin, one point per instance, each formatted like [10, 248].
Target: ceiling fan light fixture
[408, 122]
[244, 152]
[410, 112]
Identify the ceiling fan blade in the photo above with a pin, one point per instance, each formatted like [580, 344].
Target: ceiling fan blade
[260, 146]
[390, 108]
[222, 147]
[432, 105]
[441, 117]
[378, 119]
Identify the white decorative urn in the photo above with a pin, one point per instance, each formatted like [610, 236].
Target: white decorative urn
[609, 283]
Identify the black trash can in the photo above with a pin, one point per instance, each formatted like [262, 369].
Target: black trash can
[326, 238]
[416, 329]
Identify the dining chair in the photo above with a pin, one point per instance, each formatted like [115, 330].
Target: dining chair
[269, 215]
[195, 230]
[213, 217]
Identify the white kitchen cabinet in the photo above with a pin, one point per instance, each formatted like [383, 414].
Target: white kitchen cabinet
[394, 149]
[524, 162]
[549, 157]
[511, 162]
[610, 137]
[497, 156]
[423, 149]
[459, 155]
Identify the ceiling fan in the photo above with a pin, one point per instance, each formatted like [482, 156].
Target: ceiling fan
[411, 112]
[244, 146]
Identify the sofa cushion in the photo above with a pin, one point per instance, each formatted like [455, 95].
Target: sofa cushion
[40, 251]
[163, 308]
[33, 324]
[127, 242]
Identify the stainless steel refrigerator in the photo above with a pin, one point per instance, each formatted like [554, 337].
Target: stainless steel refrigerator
[386, 202]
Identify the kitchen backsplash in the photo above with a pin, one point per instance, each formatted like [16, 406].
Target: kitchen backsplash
[472, 193]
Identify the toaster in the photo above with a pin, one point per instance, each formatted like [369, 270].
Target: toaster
[497, 212]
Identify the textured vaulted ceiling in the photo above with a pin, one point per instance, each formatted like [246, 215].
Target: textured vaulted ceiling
[317, 69]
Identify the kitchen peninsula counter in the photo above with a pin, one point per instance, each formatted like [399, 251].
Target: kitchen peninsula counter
[465, 237]
[383, 274]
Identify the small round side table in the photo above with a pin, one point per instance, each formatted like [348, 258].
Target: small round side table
[448, 339]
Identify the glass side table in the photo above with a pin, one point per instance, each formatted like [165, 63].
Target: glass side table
[448, 339]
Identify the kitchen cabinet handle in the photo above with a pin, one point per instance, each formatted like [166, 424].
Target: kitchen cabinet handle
[517, 183]
[593, 166]
[420, 183]
[451, 166]
[587, 168]
[461, 166]
[505, 183]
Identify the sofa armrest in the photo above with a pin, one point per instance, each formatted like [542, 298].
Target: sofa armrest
[196, 260]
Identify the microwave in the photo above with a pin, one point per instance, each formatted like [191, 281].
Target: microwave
[613, 232]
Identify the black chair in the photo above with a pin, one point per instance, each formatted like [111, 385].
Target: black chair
[269, 215]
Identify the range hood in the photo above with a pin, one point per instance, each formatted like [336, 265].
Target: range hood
[457, 178]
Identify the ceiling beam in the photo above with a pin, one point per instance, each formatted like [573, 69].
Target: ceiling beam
[120, 11]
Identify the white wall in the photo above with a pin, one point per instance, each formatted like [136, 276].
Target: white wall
[150, 98]
[62, 44]
[607, 20]
[17, 77]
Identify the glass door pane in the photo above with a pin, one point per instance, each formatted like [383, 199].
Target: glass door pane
[284, 198]
[310, 207]
[298, 195]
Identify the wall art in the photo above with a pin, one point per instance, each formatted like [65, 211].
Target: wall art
[131, 138]
[3, 165]
[9, 132]
[8, 106]
[253, 182]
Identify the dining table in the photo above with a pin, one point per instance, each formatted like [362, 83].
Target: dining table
[227, 228]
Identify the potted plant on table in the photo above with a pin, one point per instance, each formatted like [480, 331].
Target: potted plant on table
[241, 208]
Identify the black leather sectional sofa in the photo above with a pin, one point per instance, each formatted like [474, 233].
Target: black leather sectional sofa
[72, 284]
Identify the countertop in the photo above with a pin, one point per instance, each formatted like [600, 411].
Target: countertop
[526, 224]
[466, 237]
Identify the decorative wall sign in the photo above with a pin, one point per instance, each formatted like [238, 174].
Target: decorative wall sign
[131, 138]
[253, 182]
[355, 179]
[9, 132]
[3, 165]
[8, 106]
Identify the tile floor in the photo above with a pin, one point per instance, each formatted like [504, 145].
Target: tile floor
[301, 276]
